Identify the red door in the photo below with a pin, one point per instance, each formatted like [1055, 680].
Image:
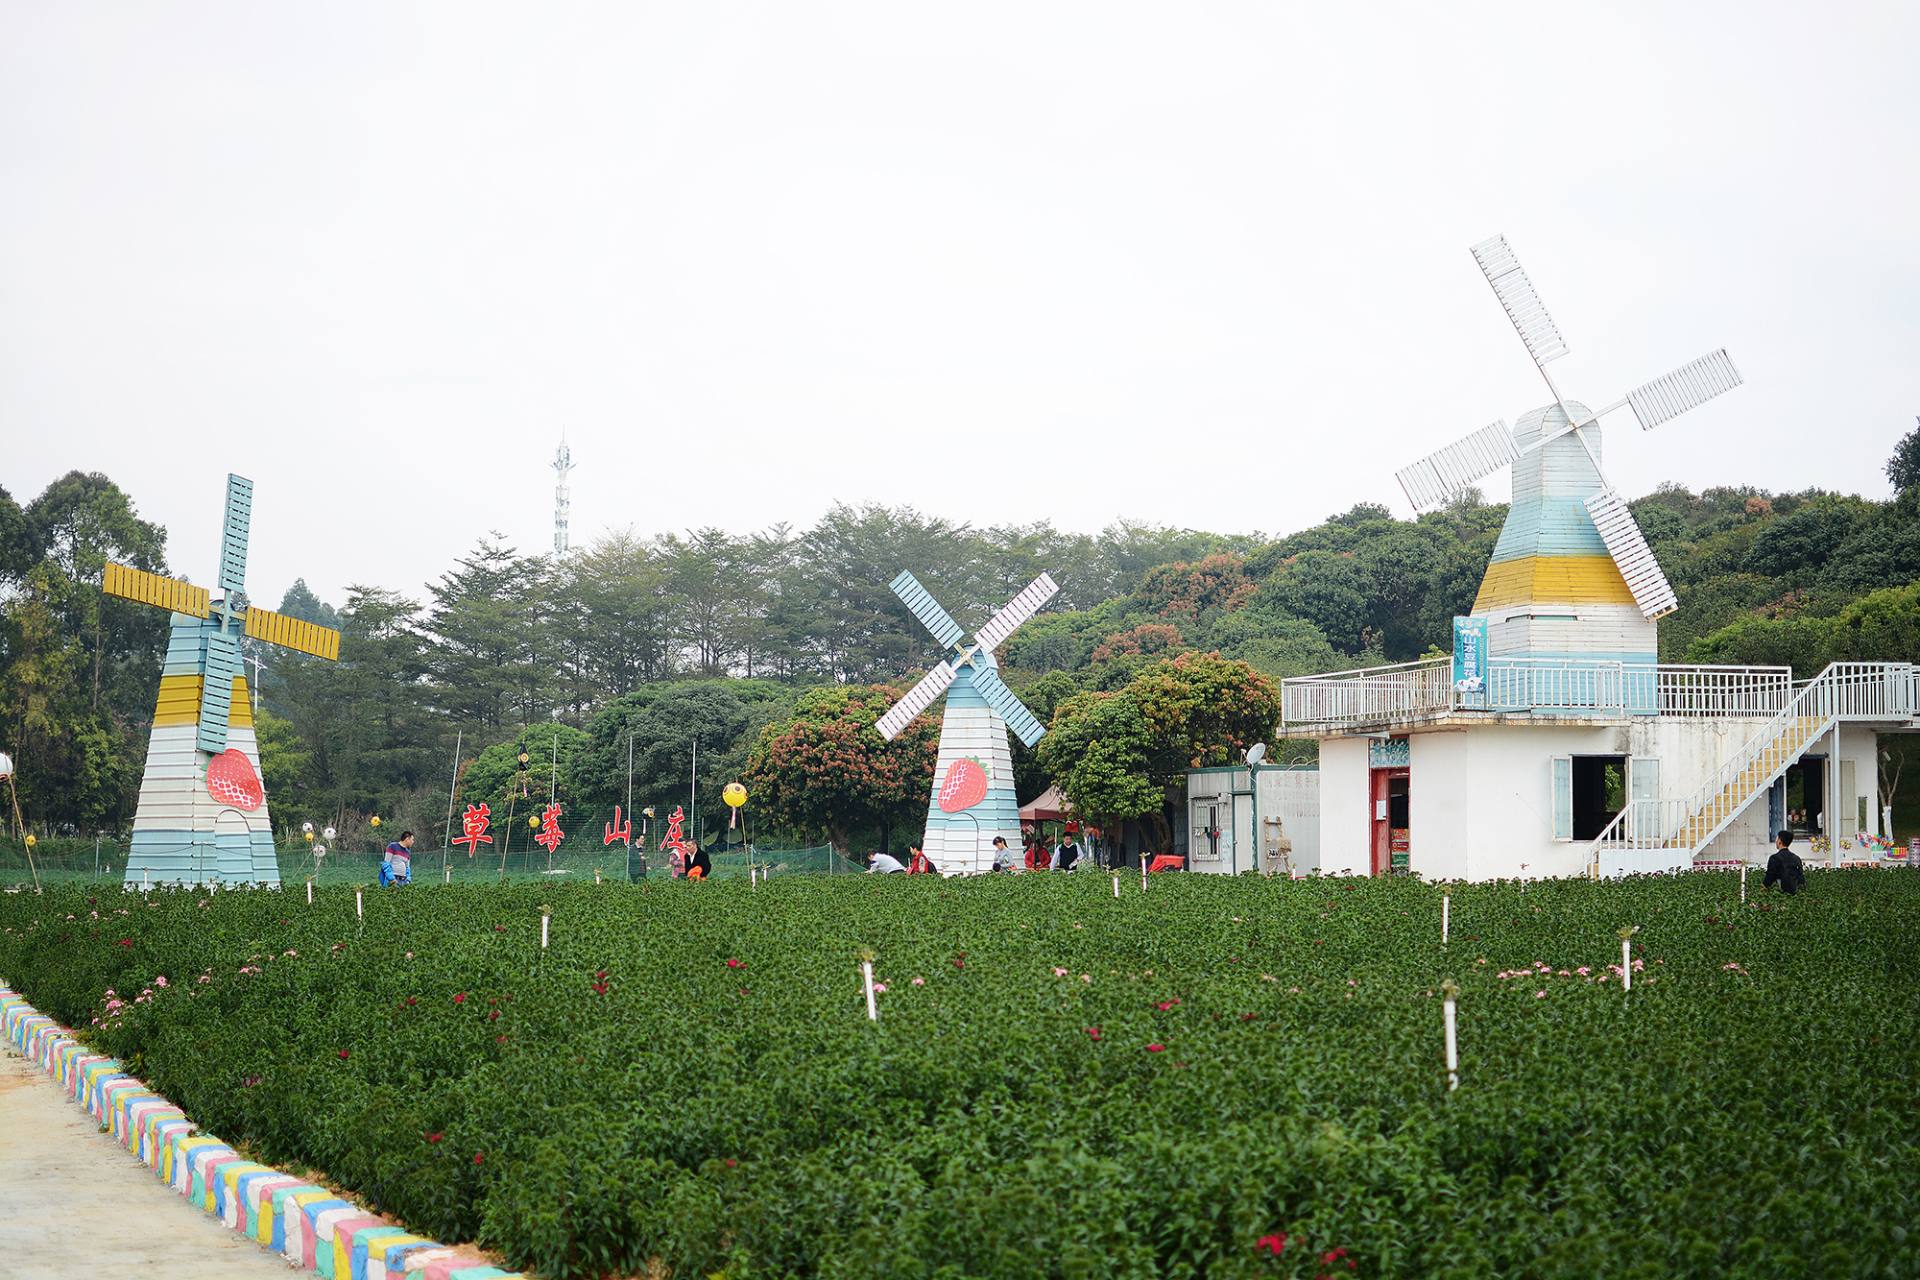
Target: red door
[1386, 818]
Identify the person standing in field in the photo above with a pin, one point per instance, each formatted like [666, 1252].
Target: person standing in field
[699, 865]
[1003, 859]
[398, 866]
[1784, 868]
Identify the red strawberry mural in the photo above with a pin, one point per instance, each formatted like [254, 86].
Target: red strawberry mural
[231, 780]
[965, 785]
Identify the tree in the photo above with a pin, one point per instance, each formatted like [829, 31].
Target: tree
[560, 774]
[1099, 752]
[1148, 637]
[1903, 468]
[1327, 589]
[826, 772]
[1215, 584]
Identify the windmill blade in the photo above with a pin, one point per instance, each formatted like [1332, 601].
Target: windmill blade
[1523, 305]
[1685, 388]
[924, 607]
[1434, 480]
[917, 699]
[1022, 721]
[155, 589]
[1015, 612]
[233, 535]
[1629, 549]
[293, 633]
[216, 691]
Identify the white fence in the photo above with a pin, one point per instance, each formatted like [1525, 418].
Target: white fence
[1410, 692]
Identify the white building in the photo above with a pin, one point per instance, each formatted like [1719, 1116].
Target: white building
[1553, 742]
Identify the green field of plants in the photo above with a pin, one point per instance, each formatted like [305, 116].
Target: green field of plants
[1214, 1077]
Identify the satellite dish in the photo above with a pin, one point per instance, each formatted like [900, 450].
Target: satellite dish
[1256, 753]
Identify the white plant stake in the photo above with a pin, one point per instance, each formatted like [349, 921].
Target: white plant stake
[359, 907]
[446, 875]
[1451, 991]
[1116, 886]
[1143, 873]
[1743, 884]
[309, 893]
[596, 875]
[143, 879]
[1446, 905]
[866, 981]
[1626, 956]
[546, 914]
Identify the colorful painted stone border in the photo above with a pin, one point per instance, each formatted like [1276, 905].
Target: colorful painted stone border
[306, 1224]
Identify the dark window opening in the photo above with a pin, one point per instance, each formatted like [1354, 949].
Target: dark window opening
[1599, 793]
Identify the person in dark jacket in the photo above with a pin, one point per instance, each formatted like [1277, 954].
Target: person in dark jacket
[1784, 868]
[697, 860]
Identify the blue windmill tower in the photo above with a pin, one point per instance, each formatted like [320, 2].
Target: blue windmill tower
[202, 816]
[973, 799]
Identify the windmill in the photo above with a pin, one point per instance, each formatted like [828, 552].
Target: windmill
[973, 799]
[1572, 576]
[202, 815]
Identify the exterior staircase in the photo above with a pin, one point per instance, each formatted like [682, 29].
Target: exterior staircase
[1668, 834]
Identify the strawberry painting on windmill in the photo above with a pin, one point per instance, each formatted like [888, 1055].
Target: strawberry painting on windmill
[973, 798]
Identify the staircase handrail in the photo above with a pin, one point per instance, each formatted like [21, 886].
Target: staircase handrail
[1842, 691]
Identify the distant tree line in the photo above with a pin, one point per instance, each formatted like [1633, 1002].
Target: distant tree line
[654, 642]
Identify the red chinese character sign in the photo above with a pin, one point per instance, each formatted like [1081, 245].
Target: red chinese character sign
[618, 831]
[473, 828]
[549, 835]
[676, 841]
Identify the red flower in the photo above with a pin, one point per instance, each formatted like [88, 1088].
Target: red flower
[732, 1163]
[735, 964]
[433, 1137]
[1275, 1243]
[411, 1000]
[1093, 1033]
[599, 989]
[343, 1055]
[479, 1157]
[461, 998]
[1156, 1047]
[500, 1039]
[1248, 1017]
[499, 928]
[958, 963]
[126, 942]
[494, 1016]
[1332, 1256]
[1165, 1005]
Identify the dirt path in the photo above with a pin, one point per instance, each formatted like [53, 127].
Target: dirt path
[73, 1203]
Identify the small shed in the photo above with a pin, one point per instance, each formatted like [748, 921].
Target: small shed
[1224, 804]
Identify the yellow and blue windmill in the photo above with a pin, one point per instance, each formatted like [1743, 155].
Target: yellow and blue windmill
[973, 798]
[1572, 589]
[202, 816]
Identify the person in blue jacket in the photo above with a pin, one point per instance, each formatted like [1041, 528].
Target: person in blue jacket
[397, 869]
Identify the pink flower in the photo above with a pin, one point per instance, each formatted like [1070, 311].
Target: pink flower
[1093, 1033]
[879, 988]
[1059, 972]
[1584, 970]
[1156, 1047]
[1165, 1005]
[1541, 994]
[289, 952]
[919, 982]
[735, 964]
[160, 980]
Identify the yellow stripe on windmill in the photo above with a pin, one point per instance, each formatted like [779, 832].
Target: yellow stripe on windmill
[1572, 577]
[202, 816]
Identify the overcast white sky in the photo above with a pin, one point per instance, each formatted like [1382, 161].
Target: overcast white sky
[1203, 264]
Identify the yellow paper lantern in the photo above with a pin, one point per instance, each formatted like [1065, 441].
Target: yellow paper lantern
[309, 836]
[374, 821]
[31, 840]
[735, 795]
[534, 822]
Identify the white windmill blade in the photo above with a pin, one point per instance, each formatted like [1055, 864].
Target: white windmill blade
[924, 607]
[916, 700]
[1025, 726]
[1523, 305]
[1014, 612]
[1685, 388]
[1434, 480]
[1629, 549]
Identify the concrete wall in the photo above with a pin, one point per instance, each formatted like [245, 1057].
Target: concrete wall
[1344, 810]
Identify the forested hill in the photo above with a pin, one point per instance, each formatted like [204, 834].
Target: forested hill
[715, 634]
